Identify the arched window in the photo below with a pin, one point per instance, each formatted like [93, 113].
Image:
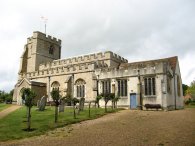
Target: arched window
[80, 85]
[55, 85]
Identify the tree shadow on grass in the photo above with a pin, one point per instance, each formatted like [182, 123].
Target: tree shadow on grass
[27, 130]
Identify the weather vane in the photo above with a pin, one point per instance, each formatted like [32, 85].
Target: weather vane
[44, 19]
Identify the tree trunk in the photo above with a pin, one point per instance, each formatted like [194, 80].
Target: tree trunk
[105, 107]
[89, 109]
[56, 114]
[74, 111]
[98, 104]
[29, 118]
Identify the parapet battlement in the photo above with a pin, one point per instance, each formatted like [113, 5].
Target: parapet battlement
[40, 35]
[84, 59]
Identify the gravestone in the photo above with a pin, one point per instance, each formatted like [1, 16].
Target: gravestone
[61, 106]
[81, 104]
[42, 103]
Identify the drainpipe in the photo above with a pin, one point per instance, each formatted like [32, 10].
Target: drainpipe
[140, 90]
[97, 85]
[72, 85]
[49, 78]
[174, 89]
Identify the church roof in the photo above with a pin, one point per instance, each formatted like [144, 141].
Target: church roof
[171, 60]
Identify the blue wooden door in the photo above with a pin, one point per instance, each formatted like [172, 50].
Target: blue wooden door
[133, 104]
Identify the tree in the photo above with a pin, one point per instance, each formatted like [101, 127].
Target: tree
[28, 95]
[6, 97]
[71, 101]
[116, 99]
[185, 88]
[55, 94]
[112, 98]
[97, 100]
[191, 90]
[74, 102]
[106, 97]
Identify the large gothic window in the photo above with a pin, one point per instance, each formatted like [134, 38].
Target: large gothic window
[122, 87]
[80, 87]
[150, 86]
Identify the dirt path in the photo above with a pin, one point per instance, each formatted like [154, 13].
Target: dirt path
[136, 128]
[8, 110]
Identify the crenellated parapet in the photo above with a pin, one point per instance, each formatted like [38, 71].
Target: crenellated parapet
[42, 36]
[101, 56]
[69, 69]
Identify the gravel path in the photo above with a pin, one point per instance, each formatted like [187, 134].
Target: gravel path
[8, 110]
[125, 128]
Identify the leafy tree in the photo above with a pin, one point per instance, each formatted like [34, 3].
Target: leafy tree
[107, 97]
[185, 88]
[74, 102]
[68, 99]
[71, 101]
[3, 96]
[191, 90]
[116, 99]
[28, 95]
[97, 100]
[112, 98]
[6, 97]
[55, 94]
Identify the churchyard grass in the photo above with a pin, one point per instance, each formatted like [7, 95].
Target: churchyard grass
[4, 106]
[12, 126]
[190, 106]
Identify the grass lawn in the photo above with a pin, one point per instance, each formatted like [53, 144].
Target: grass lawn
[4, 106]
[190, 106]
[13, 125]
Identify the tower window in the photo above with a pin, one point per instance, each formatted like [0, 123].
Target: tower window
[51, 49]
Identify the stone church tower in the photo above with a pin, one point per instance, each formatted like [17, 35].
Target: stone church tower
[38, 50]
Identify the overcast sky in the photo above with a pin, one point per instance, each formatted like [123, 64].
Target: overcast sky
[135, 29]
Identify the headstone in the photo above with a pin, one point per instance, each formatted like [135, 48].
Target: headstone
[81, 104]
[38, 103]
[61, 106]
[42, 103]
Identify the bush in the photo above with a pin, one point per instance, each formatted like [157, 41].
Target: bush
[187, 101]
[8, 99]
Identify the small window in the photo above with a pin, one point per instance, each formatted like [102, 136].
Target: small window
[51, 49]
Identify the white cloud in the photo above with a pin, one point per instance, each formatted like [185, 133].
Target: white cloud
[135, 29]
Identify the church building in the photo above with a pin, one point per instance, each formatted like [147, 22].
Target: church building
[136, 83]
